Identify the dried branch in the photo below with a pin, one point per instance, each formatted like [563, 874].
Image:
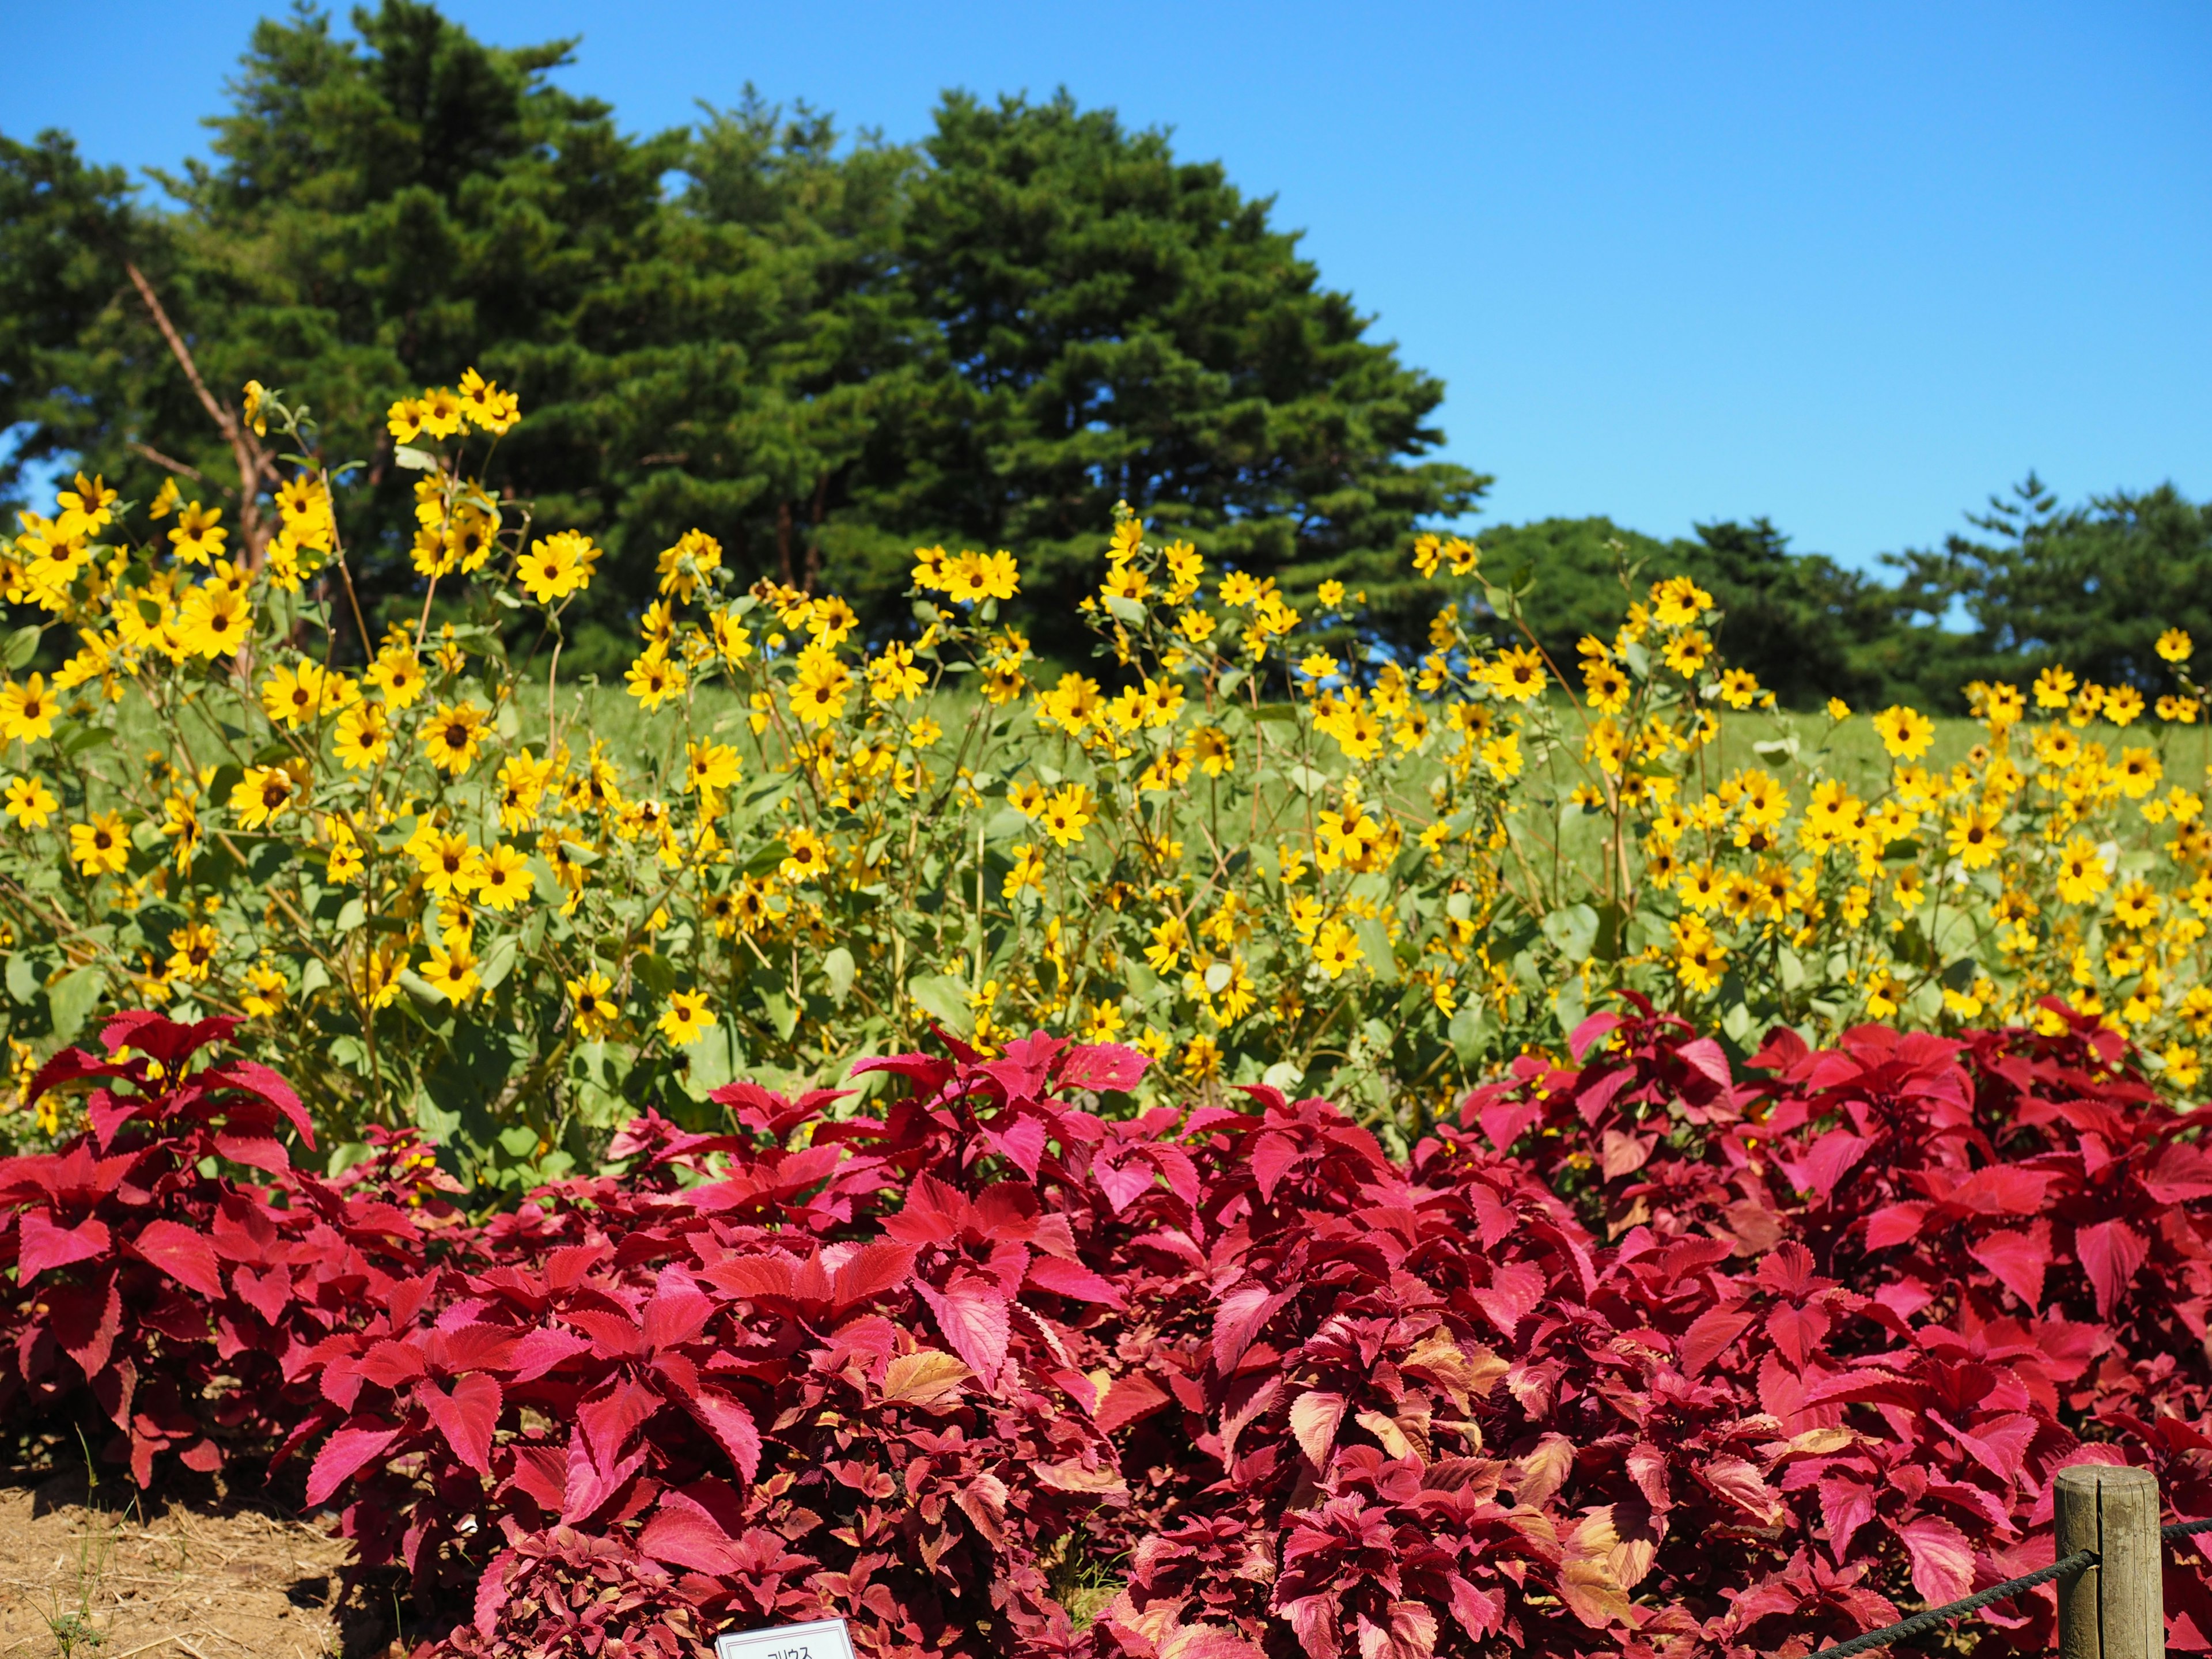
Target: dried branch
[159, 459]
[253, 463]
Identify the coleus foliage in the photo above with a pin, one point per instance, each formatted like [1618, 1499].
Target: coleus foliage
[1640, 1351]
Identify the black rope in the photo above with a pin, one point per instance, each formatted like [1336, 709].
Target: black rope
[1935, 1616]
[1943, 1615]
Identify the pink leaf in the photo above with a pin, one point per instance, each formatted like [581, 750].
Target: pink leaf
[1068, 1279]
[466, 1416]
[1102, 1065]
[1315, 1415]
[1515, 1289]
[971, 1311]
[1580, 1039]
[1895, 1223]
[1021, 1142]
[1122, 1184]
[184, 1254]
[43, 1245]
[2111, 1253]
[1706, 1055]
[683, 1533]
[1942, 1560]
[730, 1424]
[342, 1454]
[2017, 1259]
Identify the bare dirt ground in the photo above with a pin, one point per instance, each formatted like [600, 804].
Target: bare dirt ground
[116, 1578]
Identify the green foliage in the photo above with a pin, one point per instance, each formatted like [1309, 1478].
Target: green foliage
[2092, 586]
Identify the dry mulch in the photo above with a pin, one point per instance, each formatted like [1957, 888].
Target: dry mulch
[109, 1575]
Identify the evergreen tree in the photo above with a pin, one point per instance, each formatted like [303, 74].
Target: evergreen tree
[823, 353]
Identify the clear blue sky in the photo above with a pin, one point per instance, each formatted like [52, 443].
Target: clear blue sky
[1852, 267]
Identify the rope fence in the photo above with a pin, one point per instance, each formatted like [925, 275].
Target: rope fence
[2071, 1567]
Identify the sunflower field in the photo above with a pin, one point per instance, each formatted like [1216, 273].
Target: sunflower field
[447, 889]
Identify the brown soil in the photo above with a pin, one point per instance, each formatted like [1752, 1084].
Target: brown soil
[123, 1578]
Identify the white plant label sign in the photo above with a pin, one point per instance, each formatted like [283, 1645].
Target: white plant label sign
[825, 1638]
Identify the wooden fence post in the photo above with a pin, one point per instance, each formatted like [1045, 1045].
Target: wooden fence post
[2117, 1609]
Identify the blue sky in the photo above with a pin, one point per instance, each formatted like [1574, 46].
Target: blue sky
[1850, 267]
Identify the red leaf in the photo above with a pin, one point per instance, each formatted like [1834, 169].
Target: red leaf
[1942, 1560]
[1895, 1223]
[1238, 1317]
[466, 1417]
[1707, 1056]
[2111, 1253]
[683, 1533]
[1068, 1279]
[392, 1364]
[870, 1272]
[1103, 1066]
[971, 1311]
[1314, 1416]
[1270, 1156]
[1131, 1397]
[342, 1454]
[1580, 1039]
[732, 1425]
[43, 1245]
[255, 1152]
[1845, 1506]
[2017, 1259]
[1740, 1483]
[184, 1254]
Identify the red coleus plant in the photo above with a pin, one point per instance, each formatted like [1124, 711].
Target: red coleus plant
[1641, 1350]
[166, 1309]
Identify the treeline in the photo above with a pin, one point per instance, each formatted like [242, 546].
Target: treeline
[2030, 582]
[826, 351]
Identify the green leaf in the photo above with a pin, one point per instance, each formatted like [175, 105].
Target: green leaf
[837, 968]
[351, 914]
[780, 1013]
[413, 459]
[1573, 929]
[498, 964]
[1375, 942]
[1126, 610]
[22, 978]
[21, 646]
[71, 997]
[946, 999]
[1466, 1032]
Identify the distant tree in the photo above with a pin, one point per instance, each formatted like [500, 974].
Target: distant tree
[1121, 325]
[1808, 626]
[2091, 586]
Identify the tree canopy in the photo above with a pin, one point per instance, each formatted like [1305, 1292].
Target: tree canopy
[821, 352]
